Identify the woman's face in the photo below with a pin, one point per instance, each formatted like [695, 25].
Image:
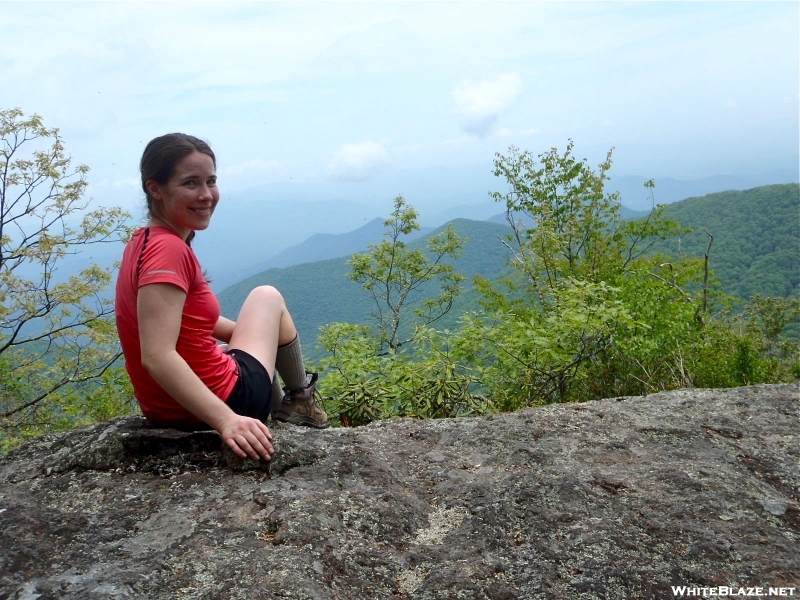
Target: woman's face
[187, 201]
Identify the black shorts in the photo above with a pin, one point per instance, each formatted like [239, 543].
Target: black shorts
[252, 394]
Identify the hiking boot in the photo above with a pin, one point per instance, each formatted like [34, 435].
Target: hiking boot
[299, 407]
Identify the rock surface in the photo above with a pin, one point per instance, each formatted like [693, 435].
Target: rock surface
[618, 498]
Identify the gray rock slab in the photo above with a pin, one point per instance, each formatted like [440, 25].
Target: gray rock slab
[617, 498]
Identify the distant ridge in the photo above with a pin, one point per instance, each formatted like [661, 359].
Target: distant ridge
[319, 293]
[624, 213]
[755, 250]
[668, 190]
[322, 246]
[250, 227]
[756, 238]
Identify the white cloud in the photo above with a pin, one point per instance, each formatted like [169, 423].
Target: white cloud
[503, 133]
[480, 103]
[529, 132]
[356, 162]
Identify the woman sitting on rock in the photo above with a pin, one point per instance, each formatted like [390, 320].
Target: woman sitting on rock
[169, 320]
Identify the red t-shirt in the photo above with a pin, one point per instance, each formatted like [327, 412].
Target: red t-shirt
[159, 255]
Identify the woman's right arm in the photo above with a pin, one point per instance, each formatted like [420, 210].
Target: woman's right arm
[159, 309]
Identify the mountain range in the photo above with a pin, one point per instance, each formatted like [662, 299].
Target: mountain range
[250, 227]
[264, 227]
[755, 250]
[320, 292]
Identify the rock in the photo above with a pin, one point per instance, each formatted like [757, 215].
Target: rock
[617, 498]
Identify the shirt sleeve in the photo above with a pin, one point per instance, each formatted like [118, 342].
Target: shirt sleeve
[167, 259]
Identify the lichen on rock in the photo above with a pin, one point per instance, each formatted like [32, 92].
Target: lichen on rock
[617, 498]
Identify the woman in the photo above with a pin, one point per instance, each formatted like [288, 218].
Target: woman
[169, 320]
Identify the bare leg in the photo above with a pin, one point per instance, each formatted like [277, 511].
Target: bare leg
[264, 323]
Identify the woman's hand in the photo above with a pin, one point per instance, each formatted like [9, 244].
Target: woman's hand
[246, 437]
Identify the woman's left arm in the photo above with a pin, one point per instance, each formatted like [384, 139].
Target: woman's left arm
[223, 330]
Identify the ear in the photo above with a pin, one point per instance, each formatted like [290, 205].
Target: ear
[153, 189]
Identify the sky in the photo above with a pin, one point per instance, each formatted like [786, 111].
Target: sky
[341, 93]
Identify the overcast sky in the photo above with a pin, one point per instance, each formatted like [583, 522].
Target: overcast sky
[342, 91]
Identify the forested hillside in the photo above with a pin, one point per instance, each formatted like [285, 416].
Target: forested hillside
[756, 238]
[755, 250]
[319, 293]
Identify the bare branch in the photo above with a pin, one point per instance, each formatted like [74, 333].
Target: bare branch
[705, 272]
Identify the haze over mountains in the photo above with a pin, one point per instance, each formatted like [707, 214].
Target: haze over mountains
[259, 228]
[755, 251]
[251, 227]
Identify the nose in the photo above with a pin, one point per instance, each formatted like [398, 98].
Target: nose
[205, 193]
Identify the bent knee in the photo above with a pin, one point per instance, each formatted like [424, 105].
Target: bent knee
[268, 293]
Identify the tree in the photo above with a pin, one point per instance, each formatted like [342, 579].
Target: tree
[572, 228]
[397, 278]
[56, 334]
[592, 310]
[589, 310]
[398, 365]
[768, 320]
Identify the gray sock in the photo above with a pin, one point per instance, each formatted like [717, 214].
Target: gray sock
[277, 390]
[289, 363]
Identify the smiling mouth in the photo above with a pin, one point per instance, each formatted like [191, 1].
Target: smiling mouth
[201, 211]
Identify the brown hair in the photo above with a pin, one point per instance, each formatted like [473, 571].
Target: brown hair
[162, 155]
